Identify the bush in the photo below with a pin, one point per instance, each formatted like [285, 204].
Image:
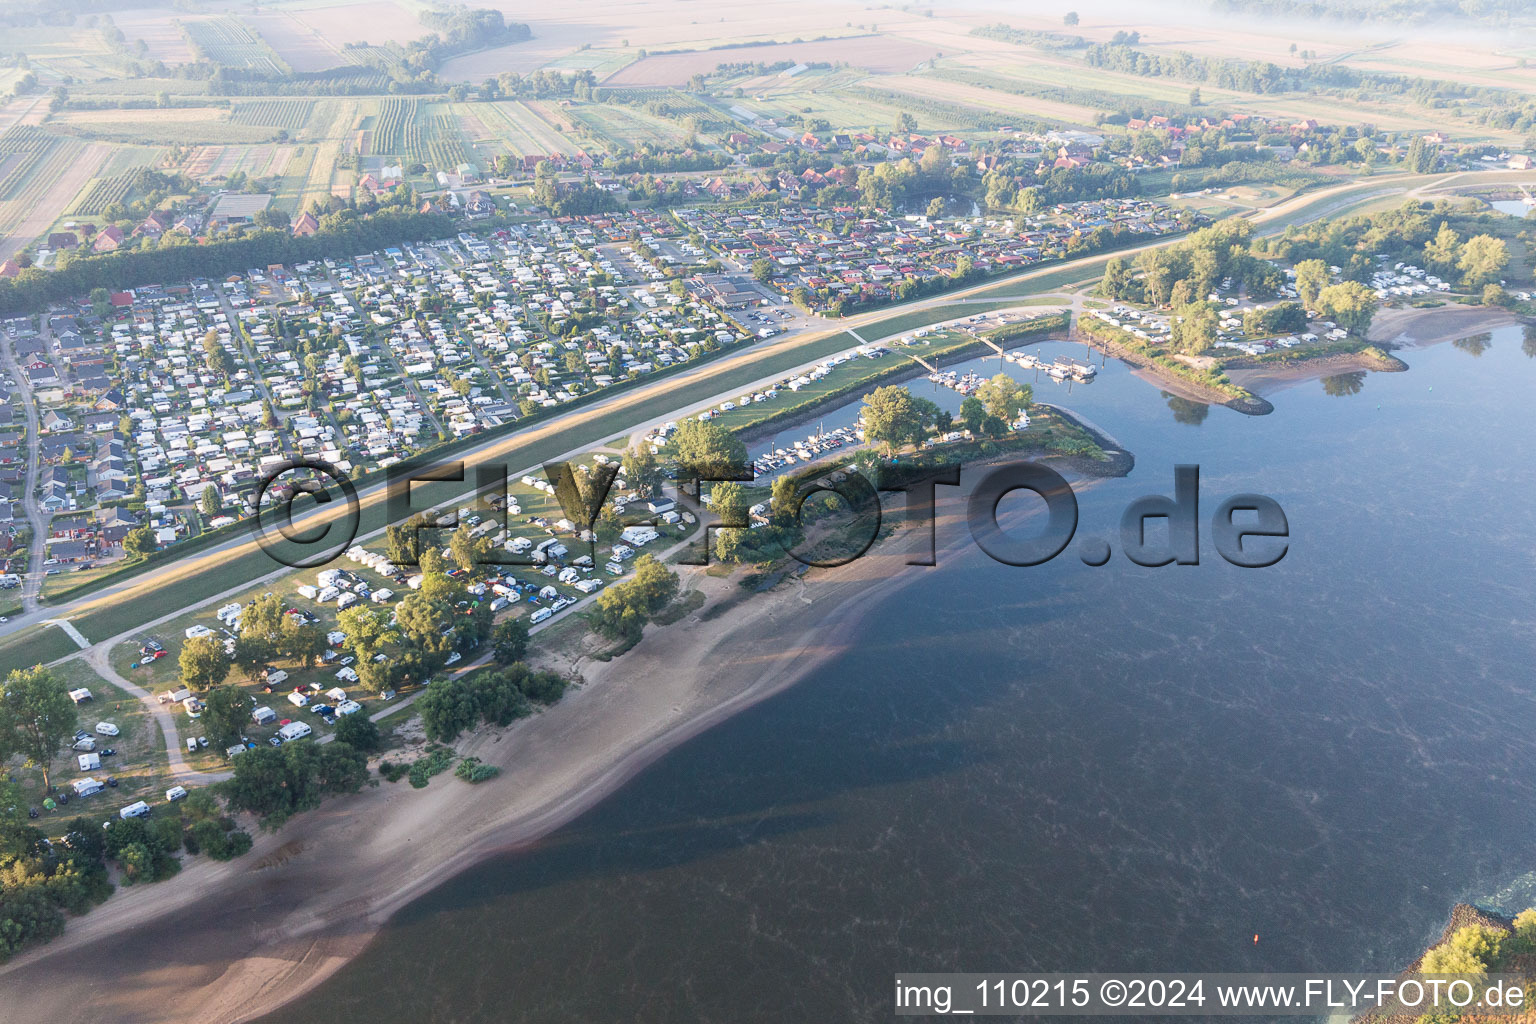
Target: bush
[471, 769]
[434, 763]
[544, 687]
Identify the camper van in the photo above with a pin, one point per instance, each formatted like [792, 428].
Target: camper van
[106, 729]
[85, 787]
[175, 793]
[263, 715]
[540, 615]
[89, 762]
[294, 731]
[137, 809]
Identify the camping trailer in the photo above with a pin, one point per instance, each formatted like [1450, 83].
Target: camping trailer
[294, 731]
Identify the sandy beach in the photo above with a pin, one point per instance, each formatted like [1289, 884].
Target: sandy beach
[229, 942]
[1420, 328]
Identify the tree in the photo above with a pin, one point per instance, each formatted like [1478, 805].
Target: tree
[367, 628]
[728, 501]
[359, 731]
[1005, 397]
[400, 542]
[708, 450]
[782, 502]
[203, 663]
[1351, 304]
[1422, 157]
[224, 717]
[1482, 260]
[1194, 330]
[1494, 294]
[276, 782]
[218, 358]
[642, 471]
[972, 412]
[499, 696]
[893, 418]
[1194, 96]
[447, 709]
[1443, 251]
[1069, 19]
[623, 608]
[511, 641]
[762, 270]
[210, 502]
[304, 642]
[1119, 280]
[935, 205]
[424, 623]
[36, 717]
[1470, 950]
[139, 542]
[1311, 279]
[467, 551]
[906, 124]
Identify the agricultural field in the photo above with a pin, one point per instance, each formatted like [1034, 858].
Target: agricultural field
[375, 23]
[229, 41]
[157, 27]
[394, 127]
[525, 131]
[984, 100]
[299, 45]
[101, 193]
[184, 125]
[850, 110]
[22, 150]
[40, 197]
[290, 114]
[877, 53]
[627, 127]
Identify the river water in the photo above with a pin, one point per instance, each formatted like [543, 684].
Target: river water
[1072, 768]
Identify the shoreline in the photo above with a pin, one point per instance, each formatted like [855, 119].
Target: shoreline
[1161, 377]
[1277, 375]
[230, 942]
[1410, 328]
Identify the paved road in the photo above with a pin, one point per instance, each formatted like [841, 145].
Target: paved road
[32, 584]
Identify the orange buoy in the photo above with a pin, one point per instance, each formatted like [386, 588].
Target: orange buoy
[1255, 939]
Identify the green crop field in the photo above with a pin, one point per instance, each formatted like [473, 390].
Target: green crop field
[628, 127]
[101, 193]
[395, 127]
[274, 113]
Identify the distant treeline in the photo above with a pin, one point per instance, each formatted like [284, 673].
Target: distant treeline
[1030, 37]
[63, 12]
[341, 234]
[1498, 12]
[1505, 108]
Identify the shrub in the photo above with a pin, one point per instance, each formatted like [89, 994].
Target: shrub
[471, 769]
[434, 763]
